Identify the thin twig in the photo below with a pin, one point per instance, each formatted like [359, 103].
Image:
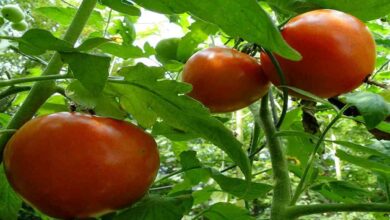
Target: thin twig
[302, 183]
[69, 4]
[378, 84]
[33, 58]
[108, 22]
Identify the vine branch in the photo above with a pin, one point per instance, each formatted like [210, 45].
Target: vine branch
[300, 210]
[302, 183]
[283, 84]
[13, 90]
[12, 82]
[282, 187]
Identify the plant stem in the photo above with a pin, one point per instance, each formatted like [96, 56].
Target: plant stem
[300, 210]
[12, 82]
[254, 141]
[378, 84]
[282, 188]
[10, 131]
[13, 90]
[251, 156]
[9, 38]
[302, 183]
[283, 83]
[175, 173]
[36, 59]
[41, 91]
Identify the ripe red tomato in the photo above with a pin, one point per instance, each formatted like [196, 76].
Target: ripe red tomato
[224, 79]
[338, 53]
[70, 165]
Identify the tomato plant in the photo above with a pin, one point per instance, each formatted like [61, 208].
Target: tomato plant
[70, 165]
[224, 79]
[278, 157]
[338, 53]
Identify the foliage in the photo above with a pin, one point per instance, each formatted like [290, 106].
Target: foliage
[213, 166]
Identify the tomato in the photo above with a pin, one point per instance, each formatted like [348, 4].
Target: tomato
[166, 49]
[20, 26]
[224, 79]
[338, 53]
[12, 13]
[70, 165]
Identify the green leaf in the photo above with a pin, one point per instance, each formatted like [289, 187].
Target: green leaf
[10, 202]
[122, 6]
[152, 95]
[125, 28]
[309, 95]
[55, 103]
[364, 9]
[37, 42]
[371, 150]
[341, 191]
[149, 50]
[244, 18]
[363, 162]
[4, 119]
[199, 33]
[225, 211]
[203, 195]
[371, 106]
[108, 106]
[64, 16]
[127, 31]
[172, 133]
[194, 173]
[162, 6]
[300, 145]
[291, 117]
[188, 160]
[90, 70]
[169, 208]
[241, 188]
[295, 134]
[122, 51]
[92, 43]
[80, 95]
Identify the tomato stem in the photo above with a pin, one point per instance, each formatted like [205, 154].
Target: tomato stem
[302, 184]
[296, 211]
[283, 84]
[12, 82]
[13, 90]
[254, 141]
[282, 187]
[41, 91]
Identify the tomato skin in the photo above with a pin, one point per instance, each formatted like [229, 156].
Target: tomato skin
[338, 53]
[70, 165]
[224, 79]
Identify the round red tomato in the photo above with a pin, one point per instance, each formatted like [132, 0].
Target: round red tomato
[70, 165]
[224, 79]
[338, 53]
